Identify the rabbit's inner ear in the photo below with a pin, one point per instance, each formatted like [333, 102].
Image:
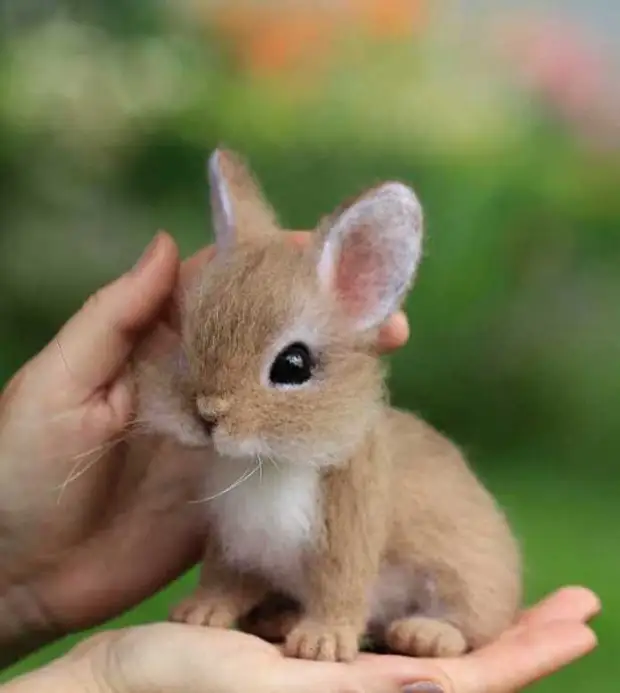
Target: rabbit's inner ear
[221, 203]
[371, 253]
[240, 211]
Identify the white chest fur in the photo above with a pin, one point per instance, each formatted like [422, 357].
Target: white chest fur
[267, 521]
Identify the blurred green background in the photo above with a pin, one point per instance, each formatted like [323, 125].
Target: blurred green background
[506, 125]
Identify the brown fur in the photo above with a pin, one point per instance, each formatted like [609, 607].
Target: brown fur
[393, 493]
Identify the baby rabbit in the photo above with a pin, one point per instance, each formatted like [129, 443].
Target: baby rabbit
[314, 487]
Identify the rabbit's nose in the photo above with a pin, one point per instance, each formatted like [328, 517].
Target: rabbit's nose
[211, 410]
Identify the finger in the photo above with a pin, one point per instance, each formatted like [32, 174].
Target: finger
[511, 665]
[394, 333]
[387, 673]
[162, 528]
[566, 604]
[367, 674]
[122, 588]
[300, 238]
[193, 264]
[96, 342]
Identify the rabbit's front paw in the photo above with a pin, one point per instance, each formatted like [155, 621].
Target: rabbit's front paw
[419, 636]
[207, 609]
[323, 641]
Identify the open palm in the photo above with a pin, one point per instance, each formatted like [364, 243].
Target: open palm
[197, 660]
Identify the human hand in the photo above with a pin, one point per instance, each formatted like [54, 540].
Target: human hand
[178, 657]
[73, 519]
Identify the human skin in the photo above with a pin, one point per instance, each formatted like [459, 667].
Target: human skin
[191, 659]
[58, 540]
[68, 511]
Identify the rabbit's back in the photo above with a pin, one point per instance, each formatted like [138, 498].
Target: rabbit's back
[449, 529]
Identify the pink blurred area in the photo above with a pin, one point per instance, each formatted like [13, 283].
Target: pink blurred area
[565, 64]
[556, 55]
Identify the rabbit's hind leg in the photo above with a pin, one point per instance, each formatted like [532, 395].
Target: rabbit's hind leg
[422, 636]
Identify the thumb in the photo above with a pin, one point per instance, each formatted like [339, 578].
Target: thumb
[95, 343]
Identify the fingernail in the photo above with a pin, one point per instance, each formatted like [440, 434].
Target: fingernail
[148, 253]
[423, 687]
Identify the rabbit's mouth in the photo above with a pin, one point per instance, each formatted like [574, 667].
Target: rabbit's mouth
[278, 452]
[227, 446]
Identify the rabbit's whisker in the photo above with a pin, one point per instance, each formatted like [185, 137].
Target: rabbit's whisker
[273, 462]
[260, 469]
[75, 473]
[244, 477]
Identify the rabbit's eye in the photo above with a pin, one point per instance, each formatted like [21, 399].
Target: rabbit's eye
[292, 366]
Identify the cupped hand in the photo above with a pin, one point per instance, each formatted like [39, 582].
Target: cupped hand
[174, 657]
[82, 538]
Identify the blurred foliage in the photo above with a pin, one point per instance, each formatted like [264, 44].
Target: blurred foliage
[107, 112]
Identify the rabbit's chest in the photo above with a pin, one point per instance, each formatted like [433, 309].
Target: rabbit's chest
[266, 522]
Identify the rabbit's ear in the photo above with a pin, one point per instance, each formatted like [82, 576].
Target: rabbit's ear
[370, 253]
[238, 207]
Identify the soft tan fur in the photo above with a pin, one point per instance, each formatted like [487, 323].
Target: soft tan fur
[365, 516]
